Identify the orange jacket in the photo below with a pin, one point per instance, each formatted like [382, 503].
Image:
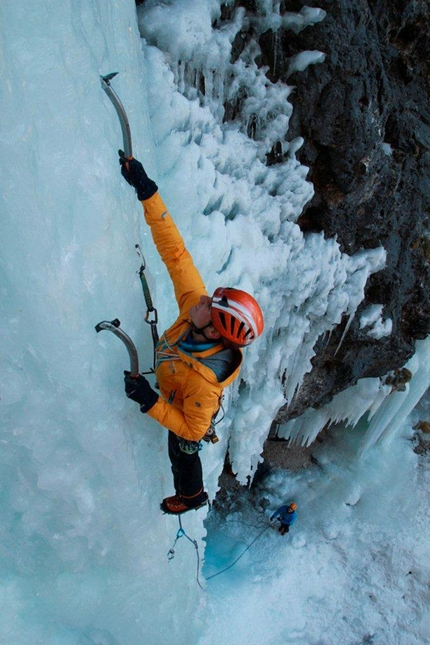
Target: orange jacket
[190, 391]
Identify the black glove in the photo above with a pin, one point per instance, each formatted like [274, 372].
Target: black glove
[133, 172]
[139, 390]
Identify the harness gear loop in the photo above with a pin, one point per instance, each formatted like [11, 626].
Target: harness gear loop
[189, 447]
[211, 435]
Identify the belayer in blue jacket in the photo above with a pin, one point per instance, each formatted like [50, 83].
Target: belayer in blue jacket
[286, 515]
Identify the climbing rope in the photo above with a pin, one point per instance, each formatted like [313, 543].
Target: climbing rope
[254, 526]
[171, 552]
[238, 558]
[181, 533]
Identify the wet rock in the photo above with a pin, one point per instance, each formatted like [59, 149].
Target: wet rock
[424, 426]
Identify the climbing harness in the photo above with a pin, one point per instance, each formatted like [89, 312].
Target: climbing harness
[171, 553]
[189, 447]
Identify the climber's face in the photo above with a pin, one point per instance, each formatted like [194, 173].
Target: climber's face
[201, 318]
[200, 313]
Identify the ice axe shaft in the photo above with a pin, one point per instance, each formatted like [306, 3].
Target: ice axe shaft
[125, 126]
[113, 326]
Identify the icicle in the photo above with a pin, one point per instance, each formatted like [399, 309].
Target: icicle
[345, 331]
[181, 76]
[382, 419]
[304, 430]
[275, 52]
[219, 86]
[392, 414]
[328, 334]
[293, 381]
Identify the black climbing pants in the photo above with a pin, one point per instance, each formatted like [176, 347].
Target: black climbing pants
[186, 465]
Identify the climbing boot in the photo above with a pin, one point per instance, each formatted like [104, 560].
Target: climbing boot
[178, 504]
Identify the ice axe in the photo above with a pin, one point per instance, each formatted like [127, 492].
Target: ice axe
[125, 126]
[114, 327]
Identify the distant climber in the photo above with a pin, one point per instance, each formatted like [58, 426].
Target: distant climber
[197, 357]
[286, 515]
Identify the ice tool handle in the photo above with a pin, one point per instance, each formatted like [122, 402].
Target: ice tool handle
[125, 126]
[113, 326]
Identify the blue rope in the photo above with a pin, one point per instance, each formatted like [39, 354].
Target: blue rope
[238, 558]
[181, 533]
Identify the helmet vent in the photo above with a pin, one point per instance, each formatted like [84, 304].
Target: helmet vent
[223, 320]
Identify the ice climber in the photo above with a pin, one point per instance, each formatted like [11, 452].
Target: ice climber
[197, 357]
[286, 515]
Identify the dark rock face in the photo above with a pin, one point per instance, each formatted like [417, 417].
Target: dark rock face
[365, 116]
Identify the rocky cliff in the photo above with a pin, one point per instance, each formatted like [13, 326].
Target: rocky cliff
[365, 118]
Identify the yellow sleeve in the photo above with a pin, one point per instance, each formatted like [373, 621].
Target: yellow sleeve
[186, 279]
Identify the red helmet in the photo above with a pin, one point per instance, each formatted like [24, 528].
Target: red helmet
[236, 316]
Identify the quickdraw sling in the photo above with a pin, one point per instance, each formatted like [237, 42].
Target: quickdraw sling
[150, 309]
